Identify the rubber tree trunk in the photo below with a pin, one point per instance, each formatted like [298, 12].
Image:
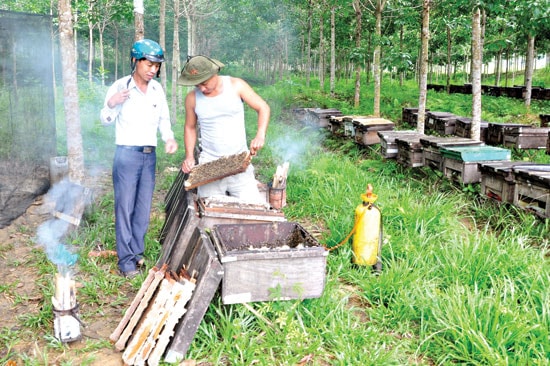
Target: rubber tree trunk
[476, 75]
[423, 75]
[70, 93]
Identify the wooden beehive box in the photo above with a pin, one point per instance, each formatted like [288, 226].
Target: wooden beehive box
[495, 132]
[269, 261]
[532, 191]
[461, 164]
[185, 211]
[349, 128]
[540, 93]
[319, 117]
[301, 114]
[387, 141]
[431, 118]
[525, 137]
[336, 125]
[432, 145]
[463, 126]
[410, 115]
[445, 125]
[497, 179]
[227, 210]
[409, 151]
[366, 129]
[514, 92]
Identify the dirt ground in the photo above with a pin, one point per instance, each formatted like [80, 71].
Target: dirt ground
[24, 297]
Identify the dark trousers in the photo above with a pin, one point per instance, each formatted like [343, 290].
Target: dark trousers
[133, 182]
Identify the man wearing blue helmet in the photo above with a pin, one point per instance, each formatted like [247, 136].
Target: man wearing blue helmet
[137, 105]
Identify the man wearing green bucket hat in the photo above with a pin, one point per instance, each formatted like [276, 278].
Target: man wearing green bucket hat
[216, 106]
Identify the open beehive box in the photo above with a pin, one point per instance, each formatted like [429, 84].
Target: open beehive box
[269, 261]
[336, 125]
[227, 210]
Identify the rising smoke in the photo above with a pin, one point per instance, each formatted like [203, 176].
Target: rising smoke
[64, 199]
[297, 147]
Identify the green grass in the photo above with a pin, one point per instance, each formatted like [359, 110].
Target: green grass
[464, 280]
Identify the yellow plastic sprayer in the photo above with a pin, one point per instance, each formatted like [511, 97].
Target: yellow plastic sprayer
[367, 232]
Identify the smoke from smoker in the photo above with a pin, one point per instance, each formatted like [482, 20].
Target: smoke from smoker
[297, 147]
[61, 198]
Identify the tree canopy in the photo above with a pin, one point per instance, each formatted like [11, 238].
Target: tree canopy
[272, 37]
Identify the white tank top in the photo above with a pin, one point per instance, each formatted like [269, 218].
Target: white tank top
[221, 123]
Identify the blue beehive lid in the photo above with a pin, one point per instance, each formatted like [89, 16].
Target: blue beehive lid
[476, 153]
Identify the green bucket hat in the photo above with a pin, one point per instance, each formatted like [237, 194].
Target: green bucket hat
[198, 69]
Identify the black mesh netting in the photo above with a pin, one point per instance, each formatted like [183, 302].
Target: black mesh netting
[27, 111]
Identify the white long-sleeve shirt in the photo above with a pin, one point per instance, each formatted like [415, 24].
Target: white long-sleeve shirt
[139, 118]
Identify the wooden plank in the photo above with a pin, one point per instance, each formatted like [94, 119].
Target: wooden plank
[174, 191]
[174, 254]
[176, 206]
[141, 342]
[135, 303]
[199, 256]
[178, 309]
[136, 316]
[184, 227]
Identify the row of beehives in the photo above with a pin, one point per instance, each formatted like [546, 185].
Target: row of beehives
[511, 135]
[363, 129]
[449, 149]
[523, 184]
[517, 91]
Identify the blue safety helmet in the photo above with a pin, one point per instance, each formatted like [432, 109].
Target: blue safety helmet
[146, 49]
